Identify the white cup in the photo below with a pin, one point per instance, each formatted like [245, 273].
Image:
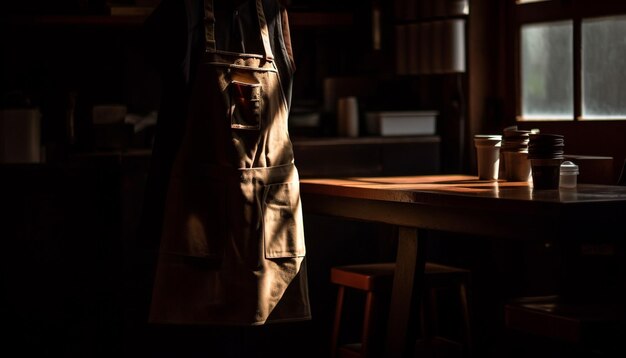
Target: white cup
[347, 117]
[20, 136]
[488, 155]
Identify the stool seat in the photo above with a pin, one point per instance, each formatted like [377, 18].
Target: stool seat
[368, 277]
[376, 280]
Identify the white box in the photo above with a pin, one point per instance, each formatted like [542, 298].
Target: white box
[398, 123]
[108, 114]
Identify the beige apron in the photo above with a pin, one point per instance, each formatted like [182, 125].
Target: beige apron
[232, 245]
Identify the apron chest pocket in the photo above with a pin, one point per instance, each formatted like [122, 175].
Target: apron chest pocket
[283, 234]
[245, 105]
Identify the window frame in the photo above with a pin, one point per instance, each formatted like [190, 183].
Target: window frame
[551, 11]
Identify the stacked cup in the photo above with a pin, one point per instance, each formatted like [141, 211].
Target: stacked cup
[545, 152]
[515, 154]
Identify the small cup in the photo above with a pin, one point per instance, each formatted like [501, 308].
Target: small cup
[488, 155]
[569, 175]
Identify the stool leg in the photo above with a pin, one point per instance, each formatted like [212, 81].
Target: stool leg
[337, 323]
[368, 314]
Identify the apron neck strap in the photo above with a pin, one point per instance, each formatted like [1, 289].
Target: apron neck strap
[209, 28]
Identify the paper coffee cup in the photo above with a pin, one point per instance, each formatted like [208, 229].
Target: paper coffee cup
[488, 155]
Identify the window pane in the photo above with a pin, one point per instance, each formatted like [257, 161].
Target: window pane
[604, 68]
[547, 71]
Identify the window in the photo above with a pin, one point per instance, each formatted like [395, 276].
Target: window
[547, 68]
[603, 68]
[571, 60]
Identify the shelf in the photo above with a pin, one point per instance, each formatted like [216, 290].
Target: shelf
[320, 19]
[300, 19]
[74, 20]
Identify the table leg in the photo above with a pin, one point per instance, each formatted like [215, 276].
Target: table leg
[402, 327]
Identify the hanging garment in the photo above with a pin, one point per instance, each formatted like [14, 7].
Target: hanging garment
[232, 242]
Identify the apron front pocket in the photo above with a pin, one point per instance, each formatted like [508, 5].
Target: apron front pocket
[283, 234]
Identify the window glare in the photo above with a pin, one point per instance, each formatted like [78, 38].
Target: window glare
[603, 68]
[547, 71]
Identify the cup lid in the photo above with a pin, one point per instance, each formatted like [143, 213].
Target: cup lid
[569, 167]
[488, 140]
[488, 136]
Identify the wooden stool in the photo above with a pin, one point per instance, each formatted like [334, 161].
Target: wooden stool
[376, 280]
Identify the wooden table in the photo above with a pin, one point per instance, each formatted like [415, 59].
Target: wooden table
[462, 204]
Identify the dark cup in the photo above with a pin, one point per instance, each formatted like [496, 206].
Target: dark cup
[545, 173]
[545, 152]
